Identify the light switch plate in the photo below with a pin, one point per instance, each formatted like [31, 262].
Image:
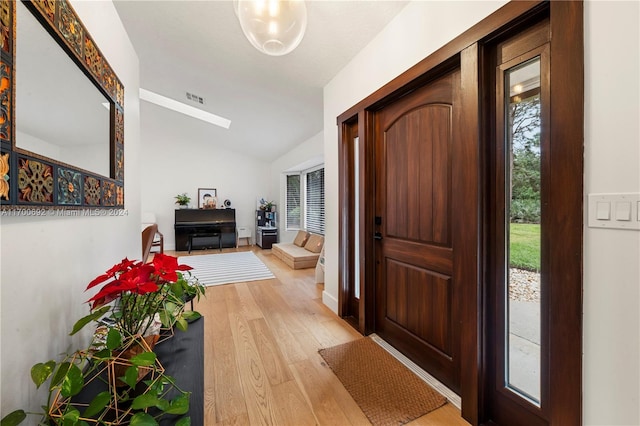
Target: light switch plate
[614, 211]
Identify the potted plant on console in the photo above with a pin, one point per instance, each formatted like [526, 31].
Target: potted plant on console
[183, 200]
[135, 300]
[266, 205]
[140, 297]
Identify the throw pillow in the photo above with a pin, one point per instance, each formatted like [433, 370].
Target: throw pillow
[314, 243]
[301, 238]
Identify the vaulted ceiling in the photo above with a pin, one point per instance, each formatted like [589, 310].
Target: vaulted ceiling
[274, 103]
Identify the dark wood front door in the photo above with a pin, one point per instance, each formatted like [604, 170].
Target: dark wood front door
[417, 306]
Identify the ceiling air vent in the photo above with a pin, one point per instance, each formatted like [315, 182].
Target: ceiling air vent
[195, 98]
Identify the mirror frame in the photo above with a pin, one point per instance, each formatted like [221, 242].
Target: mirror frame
[30, 180]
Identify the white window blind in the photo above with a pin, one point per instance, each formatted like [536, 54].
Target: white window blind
[314, 212]
[293, 202]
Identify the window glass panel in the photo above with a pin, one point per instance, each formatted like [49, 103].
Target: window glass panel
[356, 216]
[293, 202]
[314, 212]
[523, 230]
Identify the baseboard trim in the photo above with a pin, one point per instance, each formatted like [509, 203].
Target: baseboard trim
[330, 301]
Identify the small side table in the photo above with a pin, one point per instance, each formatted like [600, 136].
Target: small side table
[243, 232]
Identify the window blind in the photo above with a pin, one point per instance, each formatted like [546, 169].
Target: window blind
[293, 202]
[314, 212]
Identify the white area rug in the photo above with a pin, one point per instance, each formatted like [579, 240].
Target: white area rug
[225, 268]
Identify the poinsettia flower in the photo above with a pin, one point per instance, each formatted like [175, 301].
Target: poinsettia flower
[98, 280]
[166, 267]
[138, 274]
[148, 287]
[98, 303]
[123, 266]
[140, 279]
[138, 288]
[114, 288]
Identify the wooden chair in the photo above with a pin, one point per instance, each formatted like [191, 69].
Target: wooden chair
[158, 240]
[148, 235]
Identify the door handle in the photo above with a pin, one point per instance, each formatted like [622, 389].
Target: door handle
[377, 236]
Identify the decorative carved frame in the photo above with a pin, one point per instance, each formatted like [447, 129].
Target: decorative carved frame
[28, 179]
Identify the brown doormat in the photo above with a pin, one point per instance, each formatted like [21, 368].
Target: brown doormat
[387, 392]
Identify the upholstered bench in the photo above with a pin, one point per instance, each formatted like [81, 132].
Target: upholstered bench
[302, 253]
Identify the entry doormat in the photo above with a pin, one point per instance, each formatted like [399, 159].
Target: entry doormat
[387, 392]
[226, 268]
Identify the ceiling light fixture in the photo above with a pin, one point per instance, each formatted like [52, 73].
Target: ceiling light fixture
[163, 101]
[274, 27]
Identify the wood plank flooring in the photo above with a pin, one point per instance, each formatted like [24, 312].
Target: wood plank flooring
[261, 359]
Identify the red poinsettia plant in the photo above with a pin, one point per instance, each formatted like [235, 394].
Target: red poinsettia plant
[137, 294]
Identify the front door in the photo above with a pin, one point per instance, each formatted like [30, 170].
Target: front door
[417, 298]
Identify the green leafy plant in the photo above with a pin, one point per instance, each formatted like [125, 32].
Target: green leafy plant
[132, 297]
[185, 289]
[266, 205]
[183, 199]
[525, 211]
[135, 292]
[134, 403]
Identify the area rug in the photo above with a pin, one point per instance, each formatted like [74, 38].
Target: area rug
[387, 392]
[225, 268]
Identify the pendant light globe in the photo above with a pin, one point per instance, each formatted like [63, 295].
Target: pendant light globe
[274, 27]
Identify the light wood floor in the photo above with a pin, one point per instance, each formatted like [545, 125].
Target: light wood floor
[261, 359]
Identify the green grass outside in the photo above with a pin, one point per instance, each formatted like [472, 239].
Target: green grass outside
[525, 246]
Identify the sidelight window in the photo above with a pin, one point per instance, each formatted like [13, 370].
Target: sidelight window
[523, 229]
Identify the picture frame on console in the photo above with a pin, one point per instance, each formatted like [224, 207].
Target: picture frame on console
[207, 198]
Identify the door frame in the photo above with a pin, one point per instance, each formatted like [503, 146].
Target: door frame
[351, 314]
[565, 265]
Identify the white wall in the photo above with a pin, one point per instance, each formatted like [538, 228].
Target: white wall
[308, 152]
[612, 155]
[612, 257]
[180, 154]
[47, 262]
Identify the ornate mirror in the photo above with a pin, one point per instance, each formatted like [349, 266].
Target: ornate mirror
[61, 112]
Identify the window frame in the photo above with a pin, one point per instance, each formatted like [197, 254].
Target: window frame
[303, 224]
[286, 202]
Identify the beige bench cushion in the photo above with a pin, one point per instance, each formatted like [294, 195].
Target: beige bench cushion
[301, 238]
[315, 243]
